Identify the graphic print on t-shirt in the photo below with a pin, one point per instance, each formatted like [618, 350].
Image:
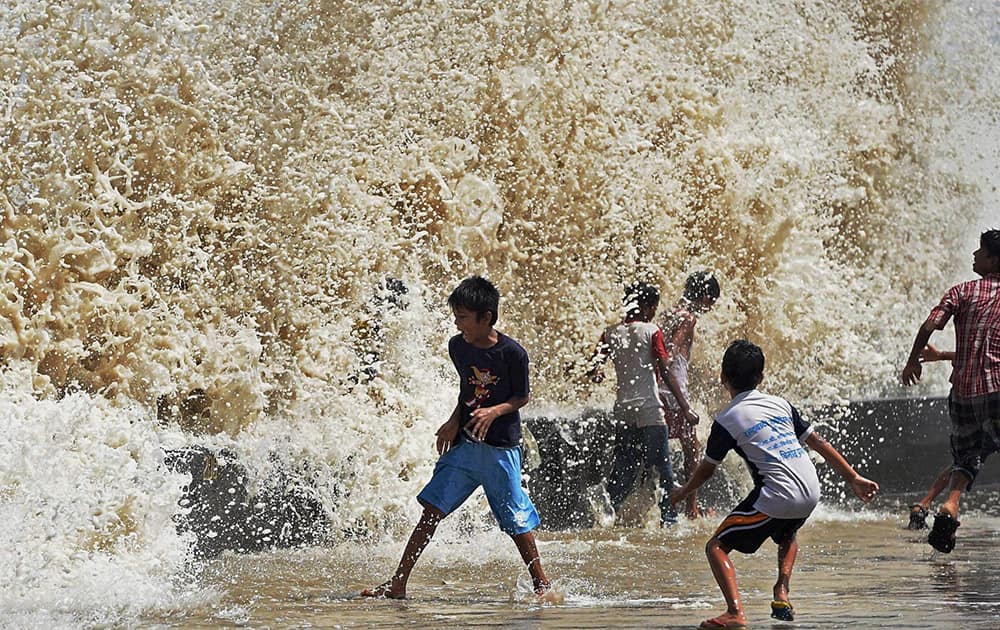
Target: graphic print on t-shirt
[769, 434]
[780, 445]
[481, 379]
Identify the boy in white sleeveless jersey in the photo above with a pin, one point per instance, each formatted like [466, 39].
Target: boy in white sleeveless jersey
[769, 434]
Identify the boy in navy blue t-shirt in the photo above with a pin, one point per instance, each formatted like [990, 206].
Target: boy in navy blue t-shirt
[480, 442]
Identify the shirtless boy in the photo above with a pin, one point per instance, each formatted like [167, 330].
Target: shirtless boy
[701, 290]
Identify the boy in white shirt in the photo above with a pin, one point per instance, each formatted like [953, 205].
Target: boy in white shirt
[636, 348]
[769, 434]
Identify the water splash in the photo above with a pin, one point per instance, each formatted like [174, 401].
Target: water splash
[209, 198]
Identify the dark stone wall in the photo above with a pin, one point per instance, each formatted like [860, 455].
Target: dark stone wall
[574, 459]
[902, 443]
[218, 508]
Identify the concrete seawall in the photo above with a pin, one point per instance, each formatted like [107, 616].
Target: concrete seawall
[902, 443]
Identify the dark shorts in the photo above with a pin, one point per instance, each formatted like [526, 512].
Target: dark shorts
[746, 529]
[975, 431]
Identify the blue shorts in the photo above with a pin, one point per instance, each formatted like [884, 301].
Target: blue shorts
[469, 465]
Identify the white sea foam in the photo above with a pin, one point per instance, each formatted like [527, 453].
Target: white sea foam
[88, 508]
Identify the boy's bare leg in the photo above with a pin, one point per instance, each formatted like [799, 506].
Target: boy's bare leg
[725, 576]
[395, 587]
[940, 483]
[529, 553]
[957, 484]
[691, 449]
[786, 562]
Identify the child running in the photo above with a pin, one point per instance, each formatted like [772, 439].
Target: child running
[701, 290]
[768, 433]
[480, 443]
[974, 400]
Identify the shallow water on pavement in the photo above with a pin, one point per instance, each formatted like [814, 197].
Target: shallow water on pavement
[855, 569]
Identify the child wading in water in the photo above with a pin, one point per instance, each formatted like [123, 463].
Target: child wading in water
[639, 355]
[701, 290]
[480, 443]
[768, 433]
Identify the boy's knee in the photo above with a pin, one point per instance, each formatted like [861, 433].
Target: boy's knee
[715, 546]
[431, 514]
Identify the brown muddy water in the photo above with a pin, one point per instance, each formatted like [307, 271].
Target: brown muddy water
[855, 569]
[232, 225]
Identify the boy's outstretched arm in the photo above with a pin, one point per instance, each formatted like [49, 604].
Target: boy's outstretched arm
[865, 489]
[912, 370]
[701, 474]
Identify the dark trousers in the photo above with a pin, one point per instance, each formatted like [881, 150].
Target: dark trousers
[642, 450]
[975, 431]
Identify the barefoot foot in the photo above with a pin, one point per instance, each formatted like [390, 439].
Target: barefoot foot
[386, 590]
[725, 621]
[546, 593]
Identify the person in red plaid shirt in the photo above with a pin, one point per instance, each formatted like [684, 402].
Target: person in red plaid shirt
[974, 401]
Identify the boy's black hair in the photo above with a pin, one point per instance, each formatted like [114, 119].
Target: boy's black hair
[701, 284]
[990, 240]
[639, 295]
[478, 295]
[743, 365]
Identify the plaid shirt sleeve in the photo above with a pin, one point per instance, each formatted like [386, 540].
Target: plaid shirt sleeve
[946, 309]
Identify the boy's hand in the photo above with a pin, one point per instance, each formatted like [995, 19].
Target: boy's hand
[481, 420]
[446, 435]
[911, 373]
[865, 489]
[930, 354]
[691, 417]
[677, 495]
